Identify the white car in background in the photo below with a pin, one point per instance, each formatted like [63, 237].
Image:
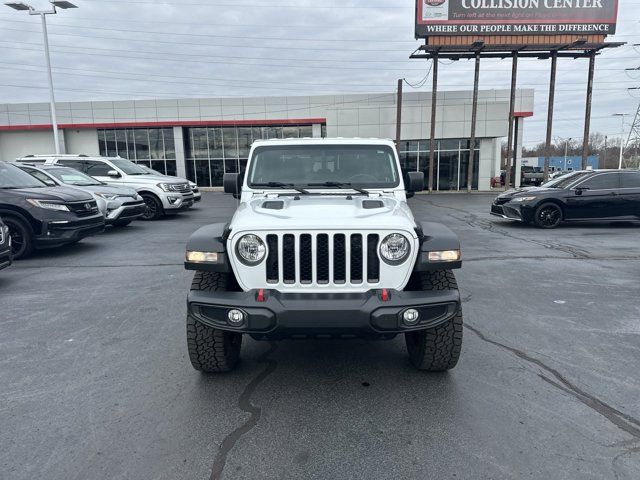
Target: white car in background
[162, 194]
[197, 196]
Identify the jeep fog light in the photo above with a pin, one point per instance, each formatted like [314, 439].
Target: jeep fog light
[201, 257]
[236, 317]
[411, 316]
[445, 256]
[251, 249]
[394, 249]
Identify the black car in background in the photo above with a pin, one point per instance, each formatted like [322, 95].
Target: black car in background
[5, 246]
[581, 195]
[39, 216]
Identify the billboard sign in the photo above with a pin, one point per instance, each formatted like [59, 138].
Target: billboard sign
[515, 17]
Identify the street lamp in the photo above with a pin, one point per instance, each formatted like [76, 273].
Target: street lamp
[43, 13]
[621, 115]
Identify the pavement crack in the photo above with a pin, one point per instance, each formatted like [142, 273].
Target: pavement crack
[620, 419]
[244, 403]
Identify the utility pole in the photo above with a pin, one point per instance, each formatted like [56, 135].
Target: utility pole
[399, 114]
[43, 17]
[621, 115]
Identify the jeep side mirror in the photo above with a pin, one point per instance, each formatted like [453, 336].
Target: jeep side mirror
[113, 174]
[414, 182]
[231, 183]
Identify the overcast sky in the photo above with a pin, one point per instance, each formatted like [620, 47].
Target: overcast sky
[124, 49]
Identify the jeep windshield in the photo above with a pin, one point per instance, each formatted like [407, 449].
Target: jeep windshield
[12, 177]
[324, 166]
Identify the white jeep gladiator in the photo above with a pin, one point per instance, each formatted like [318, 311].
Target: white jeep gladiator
[323, 245]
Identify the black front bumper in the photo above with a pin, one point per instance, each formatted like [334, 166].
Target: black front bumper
[323, 315]
[56, 233]
[5, 256]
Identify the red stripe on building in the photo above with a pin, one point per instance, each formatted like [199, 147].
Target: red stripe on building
[172, 123]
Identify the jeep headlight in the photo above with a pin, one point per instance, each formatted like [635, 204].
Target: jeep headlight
[394, 249]
[251, 249]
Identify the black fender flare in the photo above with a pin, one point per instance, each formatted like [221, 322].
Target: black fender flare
[435, 237]
[213, 239]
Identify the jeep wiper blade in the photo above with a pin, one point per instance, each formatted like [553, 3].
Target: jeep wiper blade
[281, 185]
[338, 185]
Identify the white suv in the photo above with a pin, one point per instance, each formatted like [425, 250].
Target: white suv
[162, 194]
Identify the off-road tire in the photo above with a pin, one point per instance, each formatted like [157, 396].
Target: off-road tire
[548, 215]
[212, 350]
[22, 244]
[154, 207]
[436, 349]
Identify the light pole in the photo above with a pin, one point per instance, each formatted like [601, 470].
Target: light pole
[566, 151]
[43, 13]
[621, 115]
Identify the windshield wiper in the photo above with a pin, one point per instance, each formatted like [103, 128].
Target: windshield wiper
[338, 185]
[281, 185]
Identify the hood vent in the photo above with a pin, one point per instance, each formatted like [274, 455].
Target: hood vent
[371, 204]
[273, 205]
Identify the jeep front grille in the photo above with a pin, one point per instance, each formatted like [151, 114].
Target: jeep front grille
[322, 258]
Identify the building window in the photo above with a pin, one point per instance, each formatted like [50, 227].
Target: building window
[451, 162]
[153, 147]
[210, 152]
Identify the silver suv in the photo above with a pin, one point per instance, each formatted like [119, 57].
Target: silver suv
[162, 194]
[119, 205]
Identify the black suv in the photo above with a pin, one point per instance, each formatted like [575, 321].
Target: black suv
[5, 246]
[582, 195]
[40, 217]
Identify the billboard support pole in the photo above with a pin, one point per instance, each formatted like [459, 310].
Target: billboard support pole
[512, 104]
[399, 114]
[587, 113]
[432, 144]
[474, 116]
[552, 93]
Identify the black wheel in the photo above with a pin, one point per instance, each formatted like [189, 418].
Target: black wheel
[21, 237]
[153, 209]
[121, 223]
[212, 350]
[548, 215]
[436, 349]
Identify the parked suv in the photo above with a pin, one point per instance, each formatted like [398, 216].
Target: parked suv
[39, 216]
[162, 195]
[5, 246]
[323, 244]
[119, 205]
[197, 196]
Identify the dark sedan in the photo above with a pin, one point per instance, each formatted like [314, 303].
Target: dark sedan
[582, 195]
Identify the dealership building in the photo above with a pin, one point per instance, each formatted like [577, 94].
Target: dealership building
[203, 138]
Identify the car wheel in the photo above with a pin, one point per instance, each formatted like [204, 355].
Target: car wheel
[212, 350]
[21, 238]
[153, 208]
[435, 349]
[548, 215]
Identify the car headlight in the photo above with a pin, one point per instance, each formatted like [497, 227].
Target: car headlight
[167, 187]
[394, 249]
[523, 199]
[251, 249]
[107, 196]
[48, 205]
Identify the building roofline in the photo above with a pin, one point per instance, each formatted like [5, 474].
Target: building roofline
[169, 123]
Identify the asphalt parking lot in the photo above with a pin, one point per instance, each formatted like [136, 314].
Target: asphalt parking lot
[96, 383]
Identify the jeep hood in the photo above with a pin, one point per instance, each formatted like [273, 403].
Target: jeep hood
[323, 212]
